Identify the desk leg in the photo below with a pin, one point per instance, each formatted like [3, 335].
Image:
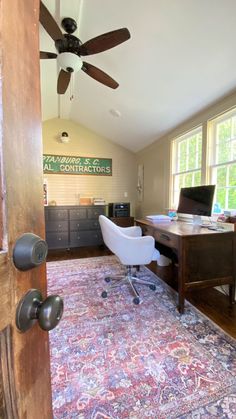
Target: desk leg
[232, 294]
[232, 288]
[181, 279]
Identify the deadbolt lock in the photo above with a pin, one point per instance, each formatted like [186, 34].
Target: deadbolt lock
[29, 252]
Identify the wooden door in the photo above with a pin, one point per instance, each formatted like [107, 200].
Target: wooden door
[24, 366]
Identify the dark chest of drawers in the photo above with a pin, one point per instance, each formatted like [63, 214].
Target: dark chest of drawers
[73, 226]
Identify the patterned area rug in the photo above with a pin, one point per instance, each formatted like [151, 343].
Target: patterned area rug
[111, 359]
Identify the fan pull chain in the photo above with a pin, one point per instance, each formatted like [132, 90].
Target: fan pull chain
[72, 87]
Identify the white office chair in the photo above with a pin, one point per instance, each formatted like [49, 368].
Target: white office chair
[132, 250]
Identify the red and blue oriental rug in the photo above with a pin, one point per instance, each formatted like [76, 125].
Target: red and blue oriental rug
[111, 359]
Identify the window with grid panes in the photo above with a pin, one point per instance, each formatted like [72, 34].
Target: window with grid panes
[223, 160]
[186, 162]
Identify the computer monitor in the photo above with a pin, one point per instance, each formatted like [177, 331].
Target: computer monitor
[197, 201]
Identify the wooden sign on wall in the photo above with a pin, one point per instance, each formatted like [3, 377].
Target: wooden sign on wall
[74, 165]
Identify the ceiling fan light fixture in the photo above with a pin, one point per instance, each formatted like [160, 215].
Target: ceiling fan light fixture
[69, 62]
[65, 137]
[70, 48]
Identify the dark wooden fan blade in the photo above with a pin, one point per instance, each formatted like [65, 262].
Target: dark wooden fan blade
[106, 41]
[49, 23]
[45, 55]
[63, 81]
[99, 75]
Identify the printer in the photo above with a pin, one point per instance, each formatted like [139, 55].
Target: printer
[119, 209]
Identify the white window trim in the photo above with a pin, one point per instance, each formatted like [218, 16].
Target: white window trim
[174, 161]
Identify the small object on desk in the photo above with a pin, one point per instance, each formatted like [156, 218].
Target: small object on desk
[172, 213]
[218, 228]
[99, 201]
[230, 213]
[86, 201]
[158, 217]
[52, 203]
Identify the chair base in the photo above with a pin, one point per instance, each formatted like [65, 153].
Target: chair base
[127, 279]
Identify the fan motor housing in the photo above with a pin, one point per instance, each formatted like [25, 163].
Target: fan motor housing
[69, 43]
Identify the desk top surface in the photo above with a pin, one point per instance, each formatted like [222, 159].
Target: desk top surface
[180, 228]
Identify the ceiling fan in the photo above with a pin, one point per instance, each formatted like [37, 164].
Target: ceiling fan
[70, 49]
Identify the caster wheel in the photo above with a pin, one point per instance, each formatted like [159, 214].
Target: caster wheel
[104, 294]
[108, 279]
[136, 300]
[152, 287]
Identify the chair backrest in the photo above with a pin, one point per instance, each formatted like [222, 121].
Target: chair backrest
[111, 234]
[130, 250]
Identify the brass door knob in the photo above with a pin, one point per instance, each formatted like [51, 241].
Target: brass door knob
[32, 308]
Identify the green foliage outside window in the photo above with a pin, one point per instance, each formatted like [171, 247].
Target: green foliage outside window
[190, 153]
[234, 150]
[197, 178]
[221, 197]
[221, 176]
[223, 140]
[226, 186]
[188, 179]
[232, 198]
[192, 163]
[182, 156]
[226, 173]
[232, 175]
[234, 126]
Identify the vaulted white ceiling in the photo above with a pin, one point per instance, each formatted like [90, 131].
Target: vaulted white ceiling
[180, 58]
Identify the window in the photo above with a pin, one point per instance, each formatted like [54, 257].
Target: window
[186, 162]
[222, 164]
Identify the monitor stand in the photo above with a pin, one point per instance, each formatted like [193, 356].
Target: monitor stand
[197, 220]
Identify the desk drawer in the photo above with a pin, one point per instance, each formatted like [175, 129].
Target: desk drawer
[167, 239]
[56, 214]
[75, 214]
[146, 230]
[95, 212]
[84, 225]
[57, 240]
[85, 238]
[55, 226]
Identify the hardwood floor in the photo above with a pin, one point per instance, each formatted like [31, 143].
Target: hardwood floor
[213, 303]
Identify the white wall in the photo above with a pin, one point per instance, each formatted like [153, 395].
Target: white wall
[64, 189]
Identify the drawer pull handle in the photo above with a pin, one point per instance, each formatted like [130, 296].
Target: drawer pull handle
[59, 225]
[165, 237]
[78, 225]
[59, 238]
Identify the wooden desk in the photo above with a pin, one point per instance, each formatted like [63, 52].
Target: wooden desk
[206, 258]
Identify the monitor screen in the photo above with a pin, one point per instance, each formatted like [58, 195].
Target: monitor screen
[196, 200]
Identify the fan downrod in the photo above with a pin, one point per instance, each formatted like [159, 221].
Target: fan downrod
[69, 24]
